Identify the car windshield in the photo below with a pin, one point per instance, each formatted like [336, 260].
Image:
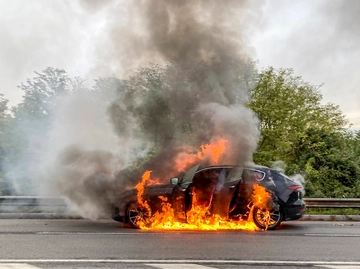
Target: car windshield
[187, 178]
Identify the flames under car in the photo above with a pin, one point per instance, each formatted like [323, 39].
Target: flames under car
[225, 191]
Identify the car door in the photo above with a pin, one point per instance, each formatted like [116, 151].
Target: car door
[215, 187]
[226, 190]
[179, 194]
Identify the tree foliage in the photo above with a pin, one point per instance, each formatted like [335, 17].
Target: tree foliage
[307, 135]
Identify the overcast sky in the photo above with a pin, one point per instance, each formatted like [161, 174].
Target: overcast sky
[318, 39]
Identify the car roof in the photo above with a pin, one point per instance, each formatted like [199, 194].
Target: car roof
[255, 166]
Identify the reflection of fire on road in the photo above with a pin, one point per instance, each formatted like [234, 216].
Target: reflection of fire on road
[199, 217]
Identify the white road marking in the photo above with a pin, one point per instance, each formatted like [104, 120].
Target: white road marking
[178, 265]
[241, 262]
[334, 235]
[17, 266]
[173, 232]
[338, 266]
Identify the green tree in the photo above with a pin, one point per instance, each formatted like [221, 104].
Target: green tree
[287, 106]
[331, 163]
[304, 133]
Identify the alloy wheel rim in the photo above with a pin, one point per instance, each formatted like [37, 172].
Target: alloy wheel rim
[137, 215]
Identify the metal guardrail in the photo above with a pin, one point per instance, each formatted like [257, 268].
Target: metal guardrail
[20, 204]
[332, 202]
[30, 201]
[54, 202]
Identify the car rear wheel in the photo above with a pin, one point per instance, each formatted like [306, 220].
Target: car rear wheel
[265, 219]
[137, 216]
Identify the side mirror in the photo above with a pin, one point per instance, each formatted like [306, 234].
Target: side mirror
[174, 181]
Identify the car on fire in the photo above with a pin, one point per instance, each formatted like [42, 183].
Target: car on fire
[225, 190]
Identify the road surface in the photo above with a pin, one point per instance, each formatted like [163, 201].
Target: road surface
[80, 243]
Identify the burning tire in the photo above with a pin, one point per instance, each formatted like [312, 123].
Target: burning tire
[265, 219]
[137, 216]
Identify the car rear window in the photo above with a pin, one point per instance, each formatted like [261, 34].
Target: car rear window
[281, 178]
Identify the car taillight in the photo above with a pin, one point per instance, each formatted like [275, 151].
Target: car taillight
[295, 188]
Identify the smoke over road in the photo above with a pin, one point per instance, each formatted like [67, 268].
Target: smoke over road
[193, 93]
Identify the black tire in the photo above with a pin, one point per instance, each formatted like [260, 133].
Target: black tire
[136, 215]
[265, 221]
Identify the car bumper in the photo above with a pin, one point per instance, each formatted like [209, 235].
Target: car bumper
[116, 216]
[295, 211]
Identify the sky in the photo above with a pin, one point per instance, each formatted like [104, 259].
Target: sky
[318, 39]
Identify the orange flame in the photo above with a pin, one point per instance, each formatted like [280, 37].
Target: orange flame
[212, 151]
[261, 196]
[198, 218]
[140, 187]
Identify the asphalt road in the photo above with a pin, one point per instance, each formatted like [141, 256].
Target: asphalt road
[106, 244]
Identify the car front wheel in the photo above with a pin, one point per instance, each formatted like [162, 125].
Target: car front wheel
[137, 216]
[265, 219]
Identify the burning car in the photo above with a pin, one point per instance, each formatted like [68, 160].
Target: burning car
[211, 195]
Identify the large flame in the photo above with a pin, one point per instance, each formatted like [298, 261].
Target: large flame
[140, 187]
[212, 152]
[261, 196]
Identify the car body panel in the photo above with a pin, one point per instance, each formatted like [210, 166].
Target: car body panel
[290, 199]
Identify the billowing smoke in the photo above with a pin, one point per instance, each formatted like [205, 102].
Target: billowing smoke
[193, 93]
[297, 178]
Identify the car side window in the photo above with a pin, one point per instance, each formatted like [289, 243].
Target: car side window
[253, 175]
[207, 175]
[186, 180]
[210, 177]
[235, 173]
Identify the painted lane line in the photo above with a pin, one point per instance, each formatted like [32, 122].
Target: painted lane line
[338, 266]
[242, 262]
[178, 265]
[334, 235]
[17, 266]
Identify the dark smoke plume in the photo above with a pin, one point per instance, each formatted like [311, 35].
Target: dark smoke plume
[193, 93]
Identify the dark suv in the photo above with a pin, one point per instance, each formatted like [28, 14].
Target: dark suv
[225, 189]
